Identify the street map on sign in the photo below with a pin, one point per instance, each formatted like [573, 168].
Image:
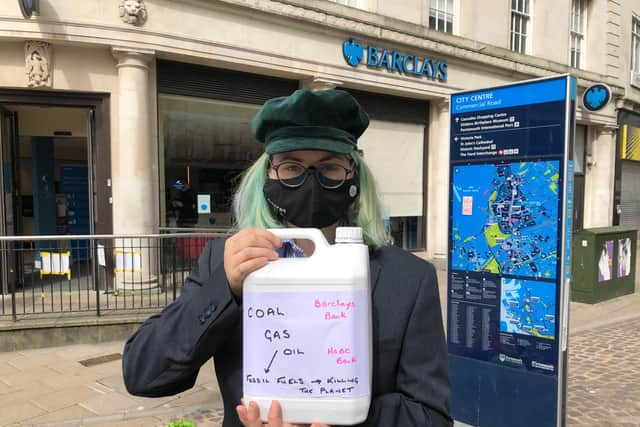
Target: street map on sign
[528, 307]
[505, 218]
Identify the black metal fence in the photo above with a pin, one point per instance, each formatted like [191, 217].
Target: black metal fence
[53, 275]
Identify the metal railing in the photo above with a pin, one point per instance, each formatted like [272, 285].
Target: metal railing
[54, 275]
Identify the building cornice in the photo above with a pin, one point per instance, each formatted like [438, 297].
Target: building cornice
[366, 24]
[317, 15]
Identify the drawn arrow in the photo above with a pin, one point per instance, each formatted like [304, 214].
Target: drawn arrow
[268, 368]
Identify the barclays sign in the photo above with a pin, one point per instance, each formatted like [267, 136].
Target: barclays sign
[596, 97]
[394, 61]
[28, 7]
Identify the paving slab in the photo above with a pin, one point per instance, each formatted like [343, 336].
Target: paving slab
[202, 397]
[25, 377]
[21, 412]
[71, 412]
[35, 391]
[114, 382]
[7, 370]
[109, 403]
[70, 396]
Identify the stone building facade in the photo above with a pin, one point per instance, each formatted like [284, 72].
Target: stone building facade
[155, 97]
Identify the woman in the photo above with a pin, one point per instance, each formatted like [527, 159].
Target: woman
[311, 175]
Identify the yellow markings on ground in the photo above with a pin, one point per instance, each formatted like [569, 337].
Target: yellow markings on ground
[492, 233]
[492, 266]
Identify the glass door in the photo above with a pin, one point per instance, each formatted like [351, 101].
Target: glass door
[10, 224]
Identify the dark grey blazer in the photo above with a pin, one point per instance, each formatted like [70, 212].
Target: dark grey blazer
[410, 374]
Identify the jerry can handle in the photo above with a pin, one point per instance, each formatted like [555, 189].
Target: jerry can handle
[313, 234]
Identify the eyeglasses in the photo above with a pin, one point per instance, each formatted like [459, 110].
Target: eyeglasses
[293, 174]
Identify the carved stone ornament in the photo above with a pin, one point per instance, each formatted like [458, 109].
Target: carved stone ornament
[38, 63]
[133, 12]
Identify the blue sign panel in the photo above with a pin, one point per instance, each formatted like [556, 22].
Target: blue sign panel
[509, 185]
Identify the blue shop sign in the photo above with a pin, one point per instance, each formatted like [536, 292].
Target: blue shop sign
[596, 97]
[179, 185]
[394, 61]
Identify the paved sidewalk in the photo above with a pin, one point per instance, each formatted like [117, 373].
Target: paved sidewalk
[604, 376]
[52, 387]
[81, 385]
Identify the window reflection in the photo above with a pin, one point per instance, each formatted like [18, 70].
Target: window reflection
[204, 146]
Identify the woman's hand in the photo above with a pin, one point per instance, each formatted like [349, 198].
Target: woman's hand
[247, 251]
[251, 418]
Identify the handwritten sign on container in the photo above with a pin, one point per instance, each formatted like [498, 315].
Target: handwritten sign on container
[306, 343]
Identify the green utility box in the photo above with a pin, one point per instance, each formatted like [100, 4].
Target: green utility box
[603, 263]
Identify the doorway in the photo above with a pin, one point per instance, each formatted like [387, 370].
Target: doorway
[45, 158]
[48, 147]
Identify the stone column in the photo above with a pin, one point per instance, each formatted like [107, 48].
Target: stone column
[599, 177]
[438, 173]
[135, 205]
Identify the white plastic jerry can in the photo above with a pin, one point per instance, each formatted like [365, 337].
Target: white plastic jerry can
[307, 331]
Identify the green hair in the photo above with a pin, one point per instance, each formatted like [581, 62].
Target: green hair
[251, 209]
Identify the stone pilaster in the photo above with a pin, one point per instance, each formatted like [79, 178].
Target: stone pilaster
[438, 172]
[599, 176]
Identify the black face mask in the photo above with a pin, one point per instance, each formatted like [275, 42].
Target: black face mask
[310, 205]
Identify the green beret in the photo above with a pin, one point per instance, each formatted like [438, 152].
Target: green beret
[329, 120]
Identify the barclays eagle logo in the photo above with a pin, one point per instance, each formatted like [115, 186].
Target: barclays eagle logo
[352, 52]
[28, 7]
[596, 97]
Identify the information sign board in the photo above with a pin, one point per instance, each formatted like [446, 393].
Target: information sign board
[509, 240]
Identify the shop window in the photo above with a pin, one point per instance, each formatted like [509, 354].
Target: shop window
[520, 25]
[578, 31]
[406, 232]
[441, 15]
[205, 145]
